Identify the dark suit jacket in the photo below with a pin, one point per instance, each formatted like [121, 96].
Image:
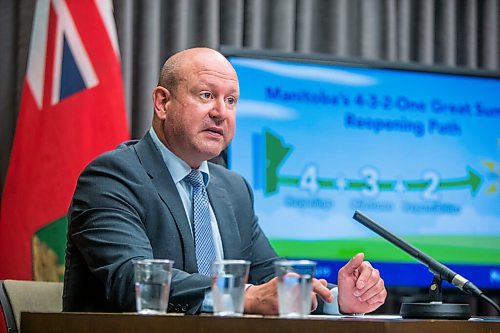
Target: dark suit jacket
[126, 207]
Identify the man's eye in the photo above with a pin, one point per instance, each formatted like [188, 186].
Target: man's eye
[206, 95]
[231, 100]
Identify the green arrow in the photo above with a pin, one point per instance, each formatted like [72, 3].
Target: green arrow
[388, 185]
[276, 152]
[357, 185]
[417, 185]
[327, 183]
[323, 183]
[473, 180]
[288, 180]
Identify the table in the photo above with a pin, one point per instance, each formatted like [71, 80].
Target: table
[173, 323]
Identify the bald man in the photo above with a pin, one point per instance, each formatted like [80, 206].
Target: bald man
[135, 203]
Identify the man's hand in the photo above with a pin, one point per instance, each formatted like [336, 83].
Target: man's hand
[263, 299]
[361, 289]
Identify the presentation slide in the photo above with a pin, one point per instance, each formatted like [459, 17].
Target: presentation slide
[418, 152]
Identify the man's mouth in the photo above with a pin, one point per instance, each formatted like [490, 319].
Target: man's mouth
[215, 130]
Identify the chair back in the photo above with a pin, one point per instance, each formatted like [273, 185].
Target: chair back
[28, 296]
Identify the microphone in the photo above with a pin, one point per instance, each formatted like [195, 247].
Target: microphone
[440, 271]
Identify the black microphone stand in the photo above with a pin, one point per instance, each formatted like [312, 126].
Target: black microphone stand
[435, 309]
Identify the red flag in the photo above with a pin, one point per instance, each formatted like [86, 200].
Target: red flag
[72, 109]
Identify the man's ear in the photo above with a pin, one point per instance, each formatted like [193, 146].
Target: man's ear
[161, 97]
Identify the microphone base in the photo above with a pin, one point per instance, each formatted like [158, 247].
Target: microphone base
[435, 311]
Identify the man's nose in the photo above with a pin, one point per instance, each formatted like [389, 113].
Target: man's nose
[219, 109]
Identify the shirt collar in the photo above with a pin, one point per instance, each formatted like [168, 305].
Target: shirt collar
[178, 167]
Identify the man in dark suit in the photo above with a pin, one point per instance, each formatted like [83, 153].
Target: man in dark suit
[134, 203]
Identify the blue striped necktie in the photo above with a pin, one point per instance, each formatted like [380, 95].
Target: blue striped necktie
[202, 226]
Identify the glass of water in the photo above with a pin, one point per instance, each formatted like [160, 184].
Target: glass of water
[152, 285]
[294, 287]
[228, 286]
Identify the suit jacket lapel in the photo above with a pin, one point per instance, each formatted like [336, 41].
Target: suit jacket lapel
[224, 212]
[152, 162]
